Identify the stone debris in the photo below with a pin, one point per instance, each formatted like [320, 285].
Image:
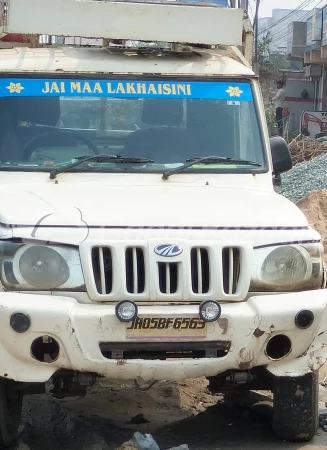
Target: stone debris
[323, 419]
[146, 442]
[304, 178]
[181, 447]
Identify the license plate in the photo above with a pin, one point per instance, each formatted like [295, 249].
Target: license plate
[148, 328]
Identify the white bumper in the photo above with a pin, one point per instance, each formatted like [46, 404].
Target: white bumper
[79, 328]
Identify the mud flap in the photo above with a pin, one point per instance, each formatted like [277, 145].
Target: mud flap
[296, 407]
[10, 413]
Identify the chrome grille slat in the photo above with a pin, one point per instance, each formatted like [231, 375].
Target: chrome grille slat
[102, 272]
[135, 270]
[102, 269]
[200, 287]
[200, 270]
[168, 287]
[231, 258]
[168, 276]
[231, 271]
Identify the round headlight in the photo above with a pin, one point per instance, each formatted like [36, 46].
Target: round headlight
[285, 266]
[43, 267]
[126, 311]
[210, 311]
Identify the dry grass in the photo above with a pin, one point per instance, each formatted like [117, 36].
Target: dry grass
[304, 149]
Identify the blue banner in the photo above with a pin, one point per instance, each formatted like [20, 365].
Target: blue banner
[31, 87]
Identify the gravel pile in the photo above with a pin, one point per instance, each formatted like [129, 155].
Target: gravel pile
[304, 178]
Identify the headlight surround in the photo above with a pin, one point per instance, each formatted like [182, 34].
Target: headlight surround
[287, 268]
[41, 267]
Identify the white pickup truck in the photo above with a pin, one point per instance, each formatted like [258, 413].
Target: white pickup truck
[141, 237]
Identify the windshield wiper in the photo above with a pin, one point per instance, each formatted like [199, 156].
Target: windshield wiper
[98, 159]
[208, 160]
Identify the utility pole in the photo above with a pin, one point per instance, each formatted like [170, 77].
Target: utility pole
[256, 37]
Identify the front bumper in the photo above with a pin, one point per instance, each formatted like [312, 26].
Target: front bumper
[79, 329]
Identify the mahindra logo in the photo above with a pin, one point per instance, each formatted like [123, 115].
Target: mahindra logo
[168, 250]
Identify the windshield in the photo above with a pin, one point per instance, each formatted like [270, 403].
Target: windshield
[47, 123]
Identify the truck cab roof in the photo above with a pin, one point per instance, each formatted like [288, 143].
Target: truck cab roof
[114, 60]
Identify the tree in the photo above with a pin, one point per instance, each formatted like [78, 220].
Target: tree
[270, 63]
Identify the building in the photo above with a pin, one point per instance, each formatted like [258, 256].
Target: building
[307, 42]
[278, 25]
[263, 24]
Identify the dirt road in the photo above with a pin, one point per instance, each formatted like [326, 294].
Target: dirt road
[173, 413]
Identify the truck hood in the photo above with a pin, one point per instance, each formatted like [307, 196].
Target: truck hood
[146, 206]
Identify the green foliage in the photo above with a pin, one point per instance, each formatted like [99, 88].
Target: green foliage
[270, 63]
[270, 117]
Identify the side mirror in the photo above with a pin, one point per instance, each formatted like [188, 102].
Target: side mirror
[281, 155]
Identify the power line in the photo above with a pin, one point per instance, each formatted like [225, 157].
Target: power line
[272, 25]
[284, 32]
[281, 34]
[298, 8]
[285, 29]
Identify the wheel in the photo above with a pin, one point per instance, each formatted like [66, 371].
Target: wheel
[295, 416]
[10, 412]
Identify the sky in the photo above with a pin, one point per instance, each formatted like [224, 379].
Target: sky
[266, 6]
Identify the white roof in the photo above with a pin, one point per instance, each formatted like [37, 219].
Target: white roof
[106, 61]
[143, 20]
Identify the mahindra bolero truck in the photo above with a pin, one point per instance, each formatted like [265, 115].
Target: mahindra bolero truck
[140, 234]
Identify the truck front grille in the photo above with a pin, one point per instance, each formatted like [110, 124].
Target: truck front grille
[116, 272]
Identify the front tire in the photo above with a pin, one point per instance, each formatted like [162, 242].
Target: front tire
[10, 412]
[295, 416]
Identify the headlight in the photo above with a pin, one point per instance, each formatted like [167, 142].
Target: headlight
[40, 267]
[287, 267]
